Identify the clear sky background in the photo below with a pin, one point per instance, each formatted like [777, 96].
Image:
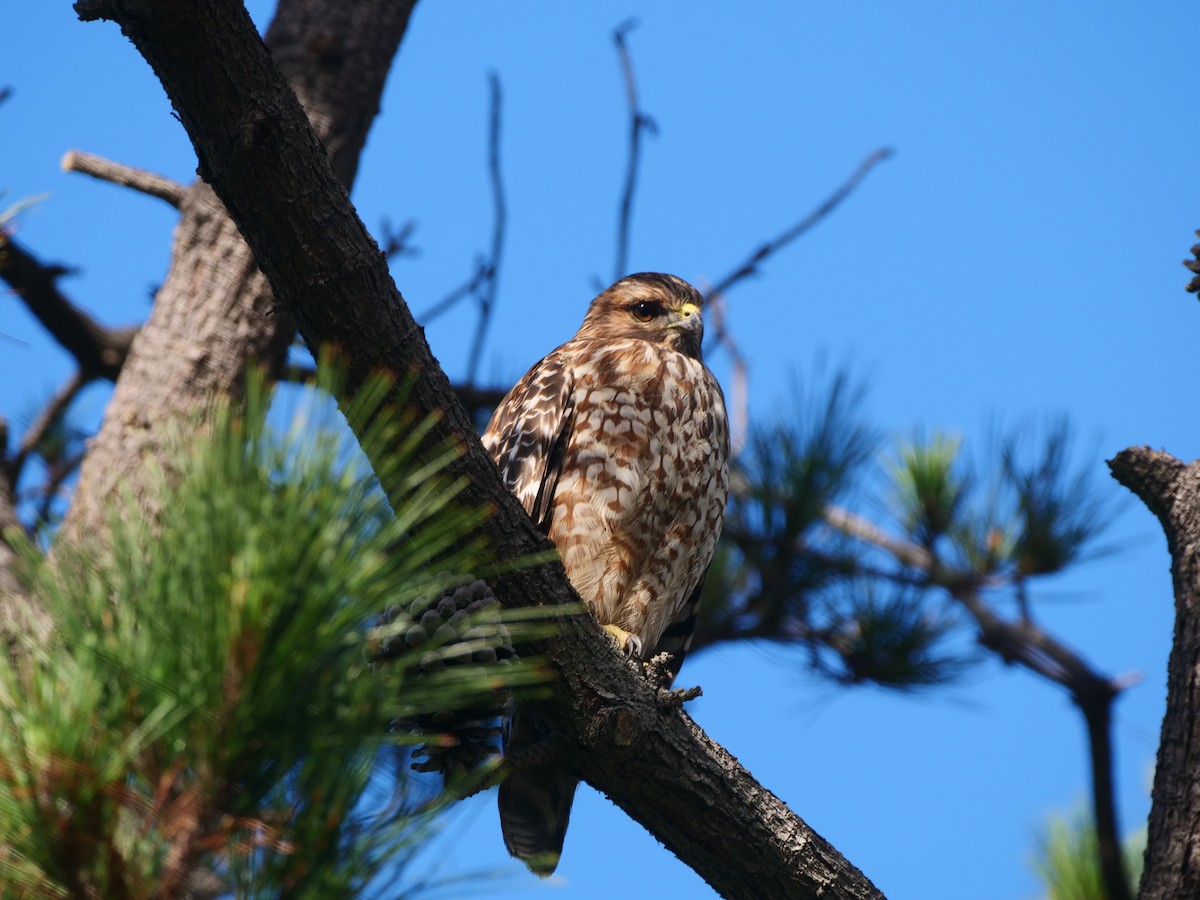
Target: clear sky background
[1017, 258]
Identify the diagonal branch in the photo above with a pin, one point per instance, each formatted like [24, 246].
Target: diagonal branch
[255, 147]
[126, 176]
[1023, 642]
[46, 419]
[487, 299]
[1193, 265]
[638, 122]
[773, 246]
[99, 351]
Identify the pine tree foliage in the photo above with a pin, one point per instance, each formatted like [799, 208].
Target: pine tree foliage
[1065, 860]
[876, 603]
[209, 702]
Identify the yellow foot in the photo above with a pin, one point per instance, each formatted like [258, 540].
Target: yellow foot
[629, 643]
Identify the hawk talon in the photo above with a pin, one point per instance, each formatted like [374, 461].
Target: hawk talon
[578, 441]
[658, 670]
[630, 644]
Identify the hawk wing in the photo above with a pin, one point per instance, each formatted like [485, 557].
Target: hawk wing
[677, 639]
[527, 437]
[528, 434]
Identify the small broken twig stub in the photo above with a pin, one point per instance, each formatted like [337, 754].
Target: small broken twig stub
[126, 176]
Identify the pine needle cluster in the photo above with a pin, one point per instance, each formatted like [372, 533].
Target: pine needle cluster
[208, 708]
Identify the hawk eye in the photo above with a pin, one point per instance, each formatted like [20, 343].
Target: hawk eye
[645, 310]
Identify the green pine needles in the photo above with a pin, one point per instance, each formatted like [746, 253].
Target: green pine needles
[207, 707]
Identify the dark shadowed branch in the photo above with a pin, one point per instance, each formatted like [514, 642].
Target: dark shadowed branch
[397, 241]
[739, 390]
[467, 289]
[51, 413]
[638, 122]
[773, 246]
[1023, 642]
[99, 351]
[477, 401]
[487, 289]
[255, 146]
[1193, 265]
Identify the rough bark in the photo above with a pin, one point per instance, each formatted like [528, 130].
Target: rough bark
[1171, 490]
[255, 148]
[214, 315]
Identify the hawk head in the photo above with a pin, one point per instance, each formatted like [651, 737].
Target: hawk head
[648, 306]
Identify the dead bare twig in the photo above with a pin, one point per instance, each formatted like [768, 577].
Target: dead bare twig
[773, 246]
[40, 427]
[1025, 643]
[396, 240]
[452, 299]
[487, 292]
[99, 351]
[739, 392]
[638, 122]
[117, 173]
[1193, 265]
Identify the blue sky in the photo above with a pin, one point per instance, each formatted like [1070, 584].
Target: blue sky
[1017, 258]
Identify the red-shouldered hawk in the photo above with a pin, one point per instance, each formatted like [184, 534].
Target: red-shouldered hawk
[617, 445]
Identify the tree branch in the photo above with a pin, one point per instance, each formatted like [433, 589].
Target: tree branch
[1171, 490]
[126, 176]
[1193, 265]
[214, 305]
[487, 298]
[464, 290]
[99, 351]
[255, 147]
[41, 426]
[638, 122]
[773, 246]
[1022, 641]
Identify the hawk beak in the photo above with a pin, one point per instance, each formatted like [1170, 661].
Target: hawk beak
[688, 317]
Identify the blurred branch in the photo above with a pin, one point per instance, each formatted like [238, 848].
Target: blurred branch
[1020, 641]
[46, 420]
[739, 392]
[1193, 286]
[126, 176]
[99, 351]
[59, 473]
[325, 268]
[473, 399]
[1025, 643]
[773, 246]
[905, 552]
[464, 290]
[396, 240]
[487, 296]
[638, 121]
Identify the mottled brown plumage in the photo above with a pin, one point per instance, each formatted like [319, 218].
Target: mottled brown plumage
[617, 445]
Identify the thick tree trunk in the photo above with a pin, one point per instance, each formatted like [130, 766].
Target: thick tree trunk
[214, 315]
[1171, 490]
[255, 148]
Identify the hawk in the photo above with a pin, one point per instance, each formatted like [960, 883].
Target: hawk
[617, 445]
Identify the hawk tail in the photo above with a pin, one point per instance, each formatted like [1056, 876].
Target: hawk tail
[534, 809]
[535, 804]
